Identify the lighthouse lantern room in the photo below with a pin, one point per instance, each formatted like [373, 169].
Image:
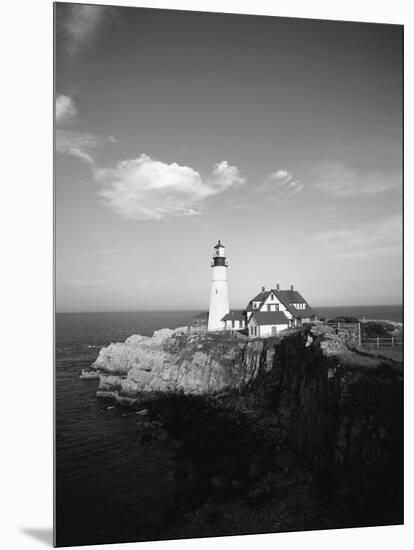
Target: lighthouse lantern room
[219, 297]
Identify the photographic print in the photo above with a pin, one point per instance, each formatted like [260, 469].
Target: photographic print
[228, 251]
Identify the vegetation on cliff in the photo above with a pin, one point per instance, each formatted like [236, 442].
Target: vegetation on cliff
[274, 434]
[306, 444]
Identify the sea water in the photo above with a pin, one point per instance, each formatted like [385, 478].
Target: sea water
[110, 487]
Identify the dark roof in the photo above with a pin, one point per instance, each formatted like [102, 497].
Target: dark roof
[234, 315]
[261, 297]
[219, 244]
[202, 315]
[270, 318]
[288, 297]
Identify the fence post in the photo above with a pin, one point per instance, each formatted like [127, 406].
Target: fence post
[378, 342]
[359, 334]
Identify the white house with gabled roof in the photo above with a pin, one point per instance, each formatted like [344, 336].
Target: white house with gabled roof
[274, 310]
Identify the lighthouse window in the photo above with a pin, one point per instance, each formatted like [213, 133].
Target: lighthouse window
[216, 291]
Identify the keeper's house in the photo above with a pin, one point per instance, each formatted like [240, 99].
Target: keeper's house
[272, 311]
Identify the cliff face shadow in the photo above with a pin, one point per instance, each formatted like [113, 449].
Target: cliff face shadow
[44, 535]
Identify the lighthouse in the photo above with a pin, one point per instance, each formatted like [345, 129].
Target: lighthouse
[219, 297]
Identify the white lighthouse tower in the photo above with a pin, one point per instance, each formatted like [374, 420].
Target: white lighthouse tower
[219, 296]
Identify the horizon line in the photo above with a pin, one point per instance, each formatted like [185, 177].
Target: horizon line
[204, 309]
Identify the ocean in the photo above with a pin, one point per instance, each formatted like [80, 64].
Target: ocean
[390, 313]
[111, 487]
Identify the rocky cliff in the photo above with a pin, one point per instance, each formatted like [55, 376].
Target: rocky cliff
[172, 360]
[175, 360]
[305, 411]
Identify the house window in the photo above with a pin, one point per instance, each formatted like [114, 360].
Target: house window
[269, 307]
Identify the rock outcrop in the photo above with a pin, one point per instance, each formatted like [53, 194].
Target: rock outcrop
[338, 411]
[174, 360]
[171, 360]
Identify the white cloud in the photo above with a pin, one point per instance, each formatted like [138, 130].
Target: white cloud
[280, 174]
[379, 239]
[341, 181]
[142, 188]
[145, 188]
[80, 24]
[65, 109]
[281, 184]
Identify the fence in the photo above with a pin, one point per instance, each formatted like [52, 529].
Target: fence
[344, 330]
[390, 342]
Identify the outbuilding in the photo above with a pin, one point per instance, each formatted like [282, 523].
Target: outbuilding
[235, 320]
[266, 323]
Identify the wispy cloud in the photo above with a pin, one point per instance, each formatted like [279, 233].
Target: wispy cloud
[72, 142]
[379, 239]
[339, 180]
[281, 184]
[65, 109]
[79, 25]
[80, 145]
[149, 189]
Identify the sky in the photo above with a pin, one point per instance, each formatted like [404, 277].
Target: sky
[281, 137]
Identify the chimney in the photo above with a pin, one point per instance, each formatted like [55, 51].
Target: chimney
[278, 286]
[263, 289]
[291, 287]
